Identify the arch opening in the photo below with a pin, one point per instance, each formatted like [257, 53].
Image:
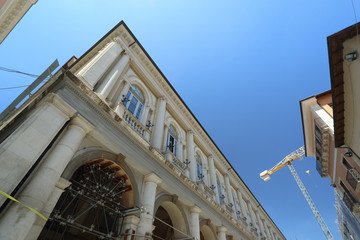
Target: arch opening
[93, 206]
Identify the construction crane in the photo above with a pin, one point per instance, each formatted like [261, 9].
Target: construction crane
[287, 161]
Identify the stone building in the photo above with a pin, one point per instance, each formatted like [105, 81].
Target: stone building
[11, 12]
[107, 149]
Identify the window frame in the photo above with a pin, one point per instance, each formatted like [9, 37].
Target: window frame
[134, 97]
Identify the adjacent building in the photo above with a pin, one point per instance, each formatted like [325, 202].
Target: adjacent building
[332, 129]
[107, 149]
[11, 12]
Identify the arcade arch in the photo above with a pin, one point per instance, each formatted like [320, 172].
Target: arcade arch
[94, 205]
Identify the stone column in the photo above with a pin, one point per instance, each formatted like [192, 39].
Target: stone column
[158, 129]
[191, 155]
[242, 204]
[113, 76]
[195, 222]
[92, 72]
[148, 200]
[221, 233]
[50, 204]
[19, 151]
[272, 234]
[212, 174]
[266, 230]
[252, 216]
[228, 189]
[17, 220]
[180, 151]
[261, 230]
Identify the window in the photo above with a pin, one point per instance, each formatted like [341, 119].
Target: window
[172, 139]
[199, 168]
[134, 101]
[346, 164]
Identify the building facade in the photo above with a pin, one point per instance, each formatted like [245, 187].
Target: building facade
[11, 12]
[332, 129]
[107, 149]
[344, 74]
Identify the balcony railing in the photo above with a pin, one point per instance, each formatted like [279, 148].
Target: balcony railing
[134, 123]
[229, 208]
[202, 185]
[175, 161]
[353, 178]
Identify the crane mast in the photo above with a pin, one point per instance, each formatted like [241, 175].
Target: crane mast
[287, 161]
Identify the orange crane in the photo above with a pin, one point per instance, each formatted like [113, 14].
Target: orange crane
[287, 161]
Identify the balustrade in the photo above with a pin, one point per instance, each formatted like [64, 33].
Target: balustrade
[175, 161]
[134, 123]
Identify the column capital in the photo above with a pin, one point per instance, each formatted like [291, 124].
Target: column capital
[210, 156]
[152, 177]
[195, 209]
[82, 123]
[131, 219]
[190, 132]
[62, 184]
[60, 105]
[162, 98]
[221, 229]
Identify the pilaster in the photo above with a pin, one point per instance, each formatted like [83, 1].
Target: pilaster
[191, 155]
[158, 128]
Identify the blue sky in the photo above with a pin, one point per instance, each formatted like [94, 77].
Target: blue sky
[241, 67]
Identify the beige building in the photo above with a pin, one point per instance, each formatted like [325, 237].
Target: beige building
[332, 128]
[11, 12]
[107, 149]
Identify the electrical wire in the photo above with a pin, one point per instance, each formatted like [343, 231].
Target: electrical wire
[19, 72]
[16, 71]
[356, 26]
[7, 88]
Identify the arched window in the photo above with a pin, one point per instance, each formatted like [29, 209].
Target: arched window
[199, 168]
[172, 139]
[134, 101]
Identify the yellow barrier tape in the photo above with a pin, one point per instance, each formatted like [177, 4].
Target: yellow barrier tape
[31, 209]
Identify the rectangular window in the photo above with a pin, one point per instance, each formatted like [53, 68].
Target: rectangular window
[346, 164]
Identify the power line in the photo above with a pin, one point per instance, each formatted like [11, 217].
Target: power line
[19, 72]
[14, 87]
[16, 71]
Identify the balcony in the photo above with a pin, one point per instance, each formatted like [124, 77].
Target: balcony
[176, 162]
[353, 178]
[202, 185]
[322, 147]
[134, 123]
[351, 203]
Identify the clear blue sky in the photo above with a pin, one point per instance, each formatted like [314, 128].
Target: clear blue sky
[241, 67]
